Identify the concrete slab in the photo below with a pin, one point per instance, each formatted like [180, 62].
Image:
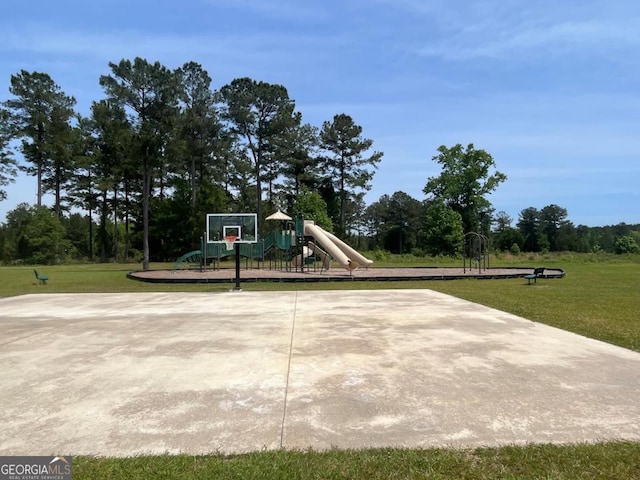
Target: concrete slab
[125, 374]
[122, 374]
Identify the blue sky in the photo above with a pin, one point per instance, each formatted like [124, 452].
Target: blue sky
[550, 89]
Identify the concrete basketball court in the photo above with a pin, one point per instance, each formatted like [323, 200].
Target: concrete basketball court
[126, 374]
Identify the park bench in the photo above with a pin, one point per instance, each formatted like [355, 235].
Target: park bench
[41, 278]
[537, 273]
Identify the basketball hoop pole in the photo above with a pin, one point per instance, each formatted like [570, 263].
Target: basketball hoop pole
[237, 287]
[230, 229]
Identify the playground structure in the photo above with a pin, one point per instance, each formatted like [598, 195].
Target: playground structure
[301, 251]
[291, 245]
[476, 249]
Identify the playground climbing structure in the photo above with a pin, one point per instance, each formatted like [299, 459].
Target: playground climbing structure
[291, 245]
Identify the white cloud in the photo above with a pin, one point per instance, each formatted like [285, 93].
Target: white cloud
[460, 30]
[590, 38]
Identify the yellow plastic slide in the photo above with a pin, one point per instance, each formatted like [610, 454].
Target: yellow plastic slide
[313, 249]
[339, 250]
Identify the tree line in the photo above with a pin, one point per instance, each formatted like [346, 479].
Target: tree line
[137, 176]
[456, 204]
[400, 223]
[163, 148]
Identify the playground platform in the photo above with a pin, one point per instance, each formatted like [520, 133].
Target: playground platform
[227, 275]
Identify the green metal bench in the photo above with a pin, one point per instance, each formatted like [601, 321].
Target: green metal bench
[42, 279]
[537, 273]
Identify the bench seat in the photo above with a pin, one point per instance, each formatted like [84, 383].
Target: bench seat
[537, 273]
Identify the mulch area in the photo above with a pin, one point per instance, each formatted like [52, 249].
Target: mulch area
[226, 275]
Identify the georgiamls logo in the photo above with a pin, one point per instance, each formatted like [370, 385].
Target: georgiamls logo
[59, 459]
[35, 468]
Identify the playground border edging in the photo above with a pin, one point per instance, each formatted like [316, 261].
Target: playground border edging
[197, 277]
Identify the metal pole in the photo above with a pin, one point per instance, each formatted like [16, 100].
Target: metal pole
[203, 252]
[237, 287]
[479, 243]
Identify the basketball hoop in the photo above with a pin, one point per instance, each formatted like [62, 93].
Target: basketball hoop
[229, 240]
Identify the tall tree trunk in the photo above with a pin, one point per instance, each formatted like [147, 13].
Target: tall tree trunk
[343, 194]
[194, 170]
[259, 201]
[258, 161]
[40, 164]
[126, 221]
[146, 193]
[58, 207]
[103, 227]
[90, 203]
[115, 225]
[90, 233]
[193, 185]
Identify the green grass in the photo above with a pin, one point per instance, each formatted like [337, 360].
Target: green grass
[598, 298]
[616, 460]
[600, 301]
[88, 278]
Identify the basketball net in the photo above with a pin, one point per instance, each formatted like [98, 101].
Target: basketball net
[229, 240]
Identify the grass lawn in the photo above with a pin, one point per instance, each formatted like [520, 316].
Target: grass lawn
[598, 298]
[616, 460]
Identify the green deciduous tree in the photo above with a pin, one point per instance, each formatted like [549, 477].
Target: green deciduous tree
[468, 176]
[443, 232]
[627, 244]
[395, 222]
[311, 206]
[347, 163]
[506, 239]
[37, 236]
[78, 230]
